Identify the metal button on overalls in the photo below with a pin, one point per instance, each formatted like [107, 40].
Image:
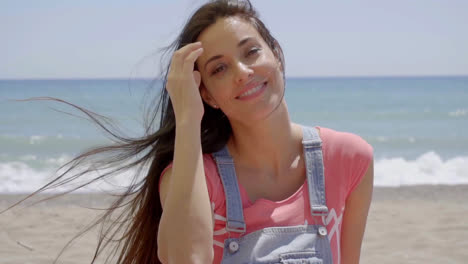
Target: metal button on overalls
[233, 247]
[322, 231]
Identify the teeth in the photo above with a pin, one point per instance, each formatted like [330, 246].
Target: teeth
[251, 91]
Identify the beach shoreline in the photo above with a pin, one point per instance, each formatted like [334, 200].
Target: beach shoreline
[410, 224]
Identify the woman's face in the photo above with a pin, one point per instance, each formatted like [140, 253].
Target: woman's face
[240, 73]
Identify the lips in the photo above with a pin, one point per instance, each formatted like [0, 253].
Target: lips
[250, 89]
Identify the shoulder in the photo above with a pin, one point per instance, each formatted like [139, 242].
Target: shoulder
[346, 157]
[337, 144]
[211, 173]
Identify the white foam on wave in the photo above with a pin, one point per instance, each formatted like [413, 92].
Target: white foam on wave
[459, 112]
[382, 139]
[429, 168]
[36, 139]
[59, 161]
[19, 177]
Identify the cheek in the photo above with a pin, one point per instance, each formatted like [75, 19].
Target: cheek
[269, 64]
[219, 90]
[273, 71]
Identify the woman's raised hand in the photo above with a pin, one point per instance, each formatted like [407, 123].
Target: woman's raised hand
[183, 84]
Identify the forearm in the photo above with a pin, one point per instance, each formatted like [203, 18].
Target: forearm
[355, 217]
[186, 227]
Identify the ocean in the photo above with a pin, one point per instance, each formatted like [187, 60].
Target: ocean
[417, 125]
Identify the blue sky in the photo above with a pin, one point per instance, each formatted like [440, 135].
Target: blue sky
[119, 39]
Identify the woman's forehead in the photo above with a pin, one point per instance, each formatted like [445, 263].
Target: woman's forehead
[227, 31]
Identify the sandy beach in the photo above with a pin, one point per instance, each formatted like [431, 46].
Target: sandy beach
[417, 224]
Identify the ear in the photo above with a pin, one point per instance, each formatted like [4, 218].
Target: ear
[206, 96]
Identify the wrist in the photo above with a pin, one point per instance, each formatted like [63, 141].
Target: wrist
[188, 125]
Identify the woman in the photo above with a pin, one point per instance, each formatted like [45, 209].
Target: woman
[232, 179]
[239, 72]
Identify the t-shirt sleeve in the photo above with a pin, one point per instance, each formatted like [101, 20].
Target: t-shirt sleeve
[211, 175]
[348, 156]
[358, 155]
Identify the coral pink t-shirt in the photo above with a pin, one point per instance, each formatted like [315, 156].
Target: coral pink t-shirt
[346, 158]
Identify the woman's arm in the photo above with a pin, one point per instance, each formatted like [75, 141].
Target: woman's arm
[355, 217]
[186, 227]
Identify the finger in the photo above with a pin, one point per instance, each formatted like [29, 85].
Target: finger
[189, 61]
[197, 77]
[182, 53]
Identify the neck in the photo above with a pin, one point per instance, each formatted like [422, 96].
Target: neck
[271, 145]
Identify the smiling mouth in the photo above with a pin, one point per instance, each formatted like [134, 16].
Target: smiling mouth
[251, 91]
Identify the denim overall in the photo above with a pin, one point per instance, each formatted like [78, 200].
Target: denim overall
[289, 244]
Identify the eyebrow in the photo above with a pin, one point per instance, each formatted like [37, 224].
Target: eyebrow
[242, 42]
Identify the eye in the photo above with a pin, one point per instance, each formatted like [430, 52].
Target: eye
[218, 69]
[253, 51]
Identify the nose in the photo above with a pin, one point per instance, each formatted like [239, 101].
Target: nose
[243, 72]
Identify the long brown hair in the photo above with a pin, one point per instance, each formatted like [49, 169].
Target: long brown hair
[132, 220]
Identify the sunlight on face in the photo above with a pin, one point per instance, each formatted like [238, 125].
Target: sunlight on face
[235, 59]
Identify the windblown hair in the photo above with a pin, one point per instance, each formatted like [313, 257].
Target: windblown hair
[130, 224]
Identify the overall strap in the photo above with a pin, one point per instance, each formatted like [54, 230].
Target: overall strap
[314, 167]
[234, 212]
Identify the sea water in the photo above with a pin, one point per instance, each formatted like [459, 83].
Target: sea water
[417, 125]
